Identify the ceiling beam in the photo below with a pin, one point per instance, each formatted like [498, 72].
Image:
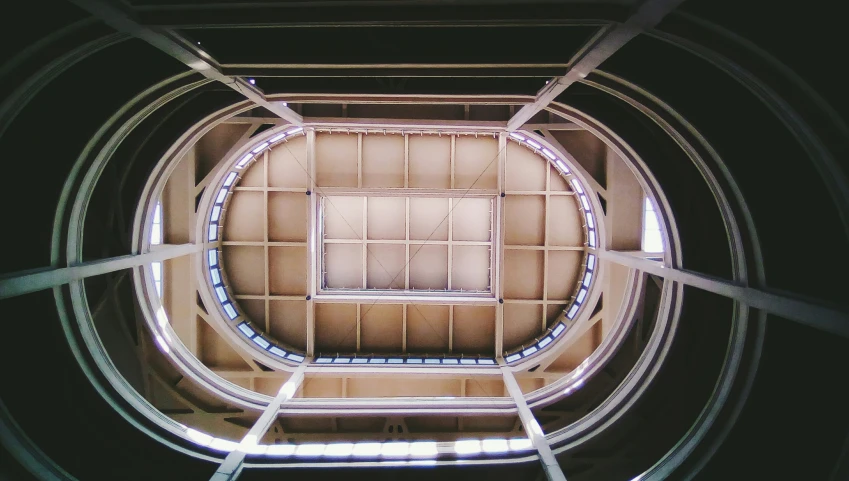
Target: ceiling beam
[825, 318]
[601, 47]
[19, 283]
[234, 462]
[532, 428]
[121, 18]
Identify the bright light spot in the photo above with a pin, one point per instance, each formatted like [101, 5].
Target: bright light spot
[276, 138]
[495, 445]
[549, 154]
[247, 158]
[520, 444]
[198, 437]
[366, 449]
[249, 445]
[288, 389]
[582, 294]
[562, 166]
[229, 180]
[516, 136]
[395, 449]
[259, 147]
[652, 236]
[252, 81]
[339, 449]
[280, 450]
[533, 144]
[535, 428]
[423, 448]
[162, 344]
[161, 317]
[572, 311]
[295, 130]
[223, 445]
[577, 186]
[467, 446]
[313, 449]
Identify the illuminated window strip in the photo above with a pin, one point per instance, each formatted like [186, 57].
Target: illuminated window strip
[450, 361]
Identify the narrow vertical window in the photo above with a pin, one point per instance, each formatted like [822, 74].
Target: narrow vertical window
[652, 238]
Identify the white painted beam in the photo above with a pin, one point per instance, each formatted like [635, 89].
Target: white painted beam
[234, 462]
[532, 428]
[600, 48]
[19, 283]
[805, 312]
[118, 16]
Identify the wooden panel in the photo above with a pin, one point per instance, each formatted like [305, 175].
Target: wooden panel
[245, 267]
[588, 150]
[376, 387]
[525, 169]
[254, 175]
[427, 328]
[254, 309]
[525, 218]
[387, 218]
[484, 388]
[343, 266]
[559, 183]
[335, 327]
[336, 159]
[287, 164]
[343, 217]
[576, 354]
[472, 219]
[217, 353]
[428, 266]
[522, 274]
[470, 268]
[288, 322]
[430, 161]
[322, 387]
[563, 270]
[240, 220]
[428, 218]
[383, 160]
[475, 163]
[269, 386]
[522, 322]
[565, 222]
[386, 266]
[288, 270]
[380, 326]
[287, 217]
[474, 330]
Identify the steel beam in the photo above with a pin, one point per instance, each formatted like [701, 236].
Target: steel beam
[601, 47]
[825, 318]
[121, 18]
[234, 462]
[19, 283]
[532, 428]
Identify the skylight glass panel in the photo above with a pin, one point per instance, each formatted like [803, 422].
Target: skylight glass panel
[216, 277]
[216, 213]
[652, 236]
[261, 342]
[230, 310]
[213, 232]
[246, 329]
[212, 255]
[229, 180]
[222, 194]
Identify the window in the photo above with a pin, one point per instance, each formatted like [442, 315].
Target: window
[652, 237]
[156, 228]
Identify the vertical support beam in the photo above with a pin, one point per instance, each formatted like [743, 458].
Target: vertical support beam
[451, 204]
[265, 159]
[234, 462]
[545, 247]
[365, 242]
[359, 322]
[498, 241]
[532, 427]
[451, 328]
[404, 328]
[313, 263]
[407, 245]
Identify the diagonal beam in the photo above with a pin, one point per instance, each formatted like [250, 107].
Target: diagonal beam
[811, 314]
[122, 18]
[18, 283]
[600, 48]
[234, 462]
[532, 428]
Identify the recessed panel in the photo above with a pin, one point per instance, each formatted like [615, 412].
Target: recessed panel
[474, 330]
[475, 162]
[343, 217]
[429, 218]
[287, 216]
[336, 160]
[565, 222]
[383, 160]
[243, 218]
[254, 309]
[287, 164]
[472, 218]
[381, 327]
[288, 322]
[335, 327]
[558, 182]
[343, 266]
[288, 270]
[522, 322]
[425, 387]
[525, 220]
[430, 161]
[386, 266]
[525, 169]
[470, 268]
[563, 269]
[254, 175]
[387, 218]
[245, 267]
[523, 272]
[427, 328]
[428, 267]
